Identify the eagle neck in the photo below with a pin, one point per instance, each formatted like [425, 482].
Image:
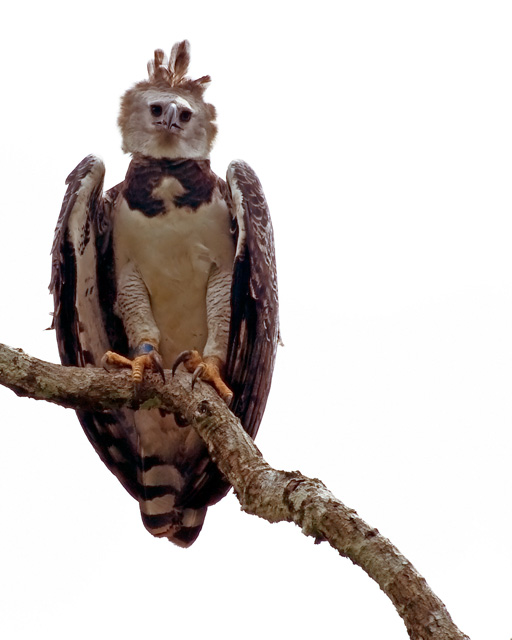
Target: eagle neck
[145, 174]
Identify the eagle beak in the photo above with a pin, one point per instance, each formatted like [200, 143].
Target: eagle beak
[171, 117]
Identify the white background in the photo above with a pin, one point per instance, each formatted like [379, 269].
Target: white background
[382, 134]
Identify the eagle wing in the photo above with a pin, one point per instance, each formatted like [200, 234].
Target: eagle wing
[254, 330]
[84, 290]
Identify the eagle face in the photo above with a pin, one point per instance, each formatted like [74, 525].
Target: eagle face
[167, 122]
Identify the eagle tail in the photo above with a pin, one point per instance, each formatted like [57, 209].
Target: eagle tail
[171, 461]
[160, 513]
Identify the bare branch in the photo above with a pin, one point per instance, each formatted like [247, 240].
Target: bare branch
[263, 491]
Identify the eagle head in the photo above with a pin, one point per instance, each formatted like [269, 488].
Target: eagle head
[166, 116]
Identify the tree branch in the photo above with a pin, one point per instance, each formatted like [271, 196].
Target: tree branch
[263, 491]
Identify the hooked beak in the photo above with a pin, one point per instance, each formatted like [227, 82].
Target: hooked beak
[170, 119]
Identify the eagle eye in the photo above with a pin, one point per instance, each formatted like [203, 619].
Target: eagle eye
[156, 110]
[185, 115]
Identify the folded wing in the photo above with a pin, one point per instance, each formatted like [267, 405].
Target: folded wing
[254, 332]
[83, 287]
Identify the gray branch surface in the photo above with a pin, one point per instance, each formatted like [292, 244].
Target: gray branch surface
[263, 491]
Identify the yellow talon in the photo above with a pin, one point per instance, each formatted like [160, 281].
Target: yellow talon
[207, 370]
[151, 360]
[138, 369]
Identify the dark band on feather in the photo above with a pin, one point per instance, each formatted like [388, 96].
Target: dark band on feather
[150, 492]
[187, 535]
[172, 518]
[148, 462]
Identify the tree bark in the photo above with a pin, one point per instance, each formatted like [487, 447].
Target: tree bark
[263, 491]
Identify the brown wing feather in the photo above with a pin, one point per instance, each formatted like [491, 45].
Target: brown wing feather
[83, 288]
[254, 332]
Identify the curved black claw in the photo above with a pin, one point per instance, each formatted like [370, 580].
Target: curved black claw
[198, 373]
[184, 355]
[105, 362]
[158, 364]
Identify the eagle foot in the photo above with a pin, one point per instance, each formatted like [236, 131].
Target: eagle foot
[146, 357]
[207, 370]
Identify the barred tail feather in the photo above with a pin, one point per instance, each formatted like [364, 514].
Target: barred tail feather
[165, 478]
[180, 527]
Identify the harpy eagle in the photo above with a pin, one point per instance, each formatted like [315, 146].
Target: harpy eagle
[173, 265]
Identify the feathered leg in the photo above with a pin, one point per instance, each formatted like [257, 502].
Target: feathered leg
[134, 308]
[218, 313]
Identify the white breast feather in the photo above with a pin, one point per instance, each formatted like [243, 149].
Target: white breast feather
[174, 253]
